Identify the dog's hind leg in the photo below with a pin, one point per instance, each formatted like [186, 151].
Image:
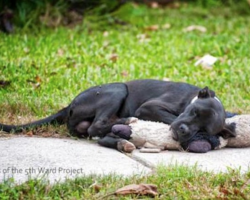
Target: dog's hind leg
[82, 128]
[99, 106]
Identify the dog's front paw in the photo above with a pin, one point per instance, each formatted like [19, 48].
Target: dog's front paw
[131, 120]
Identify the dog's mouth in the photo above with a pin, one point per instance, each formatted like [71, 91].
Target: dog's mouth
[182, 132]
[174, 133]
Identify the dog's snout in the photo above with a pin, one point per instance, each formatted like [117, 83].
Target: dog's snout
[183, 128]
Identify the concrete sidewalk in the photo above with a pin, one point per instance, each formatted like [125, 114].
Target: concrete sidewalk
[58, 159]
[215, 161]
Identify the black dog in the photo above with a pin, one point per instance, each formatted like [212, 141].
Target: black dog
[93, 112]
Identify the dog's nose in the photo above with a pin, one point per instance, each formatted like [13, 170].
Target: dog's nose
[183, 128]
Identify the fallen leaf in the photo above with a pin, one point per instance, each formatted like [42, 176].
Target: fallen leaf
[60, 52]
[105, 33]
[38, 79]
[174, 5]
[152, 28]
[30, 134]
[225, 191]
[143, 38]
[26, 50]
[166, 79]
[141, 189]
[206, 61]
[36, 82]
[195, 27]
[154, 4]
[56, 135]
[105, 44]
[166, 26]
[36, 85]
[113, 57]
[46, 135]
[124, 73]
[97, 187]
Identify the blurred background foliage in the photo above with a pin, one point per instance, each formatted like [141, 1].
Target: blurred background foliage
[52, 13]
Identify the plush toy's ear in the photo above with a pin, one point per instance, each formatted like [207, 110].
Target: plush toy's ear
[206, 93]
[228, 131]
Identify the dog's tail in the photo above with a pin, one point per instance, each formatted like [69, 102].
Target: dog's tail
[59, 118]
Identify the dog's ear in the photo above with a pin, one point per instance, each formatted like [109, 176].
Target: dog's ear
[204, 93]
[228, 131]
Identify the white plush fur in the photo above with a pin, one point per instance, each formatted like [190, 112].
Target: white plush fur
[158, 135]
[242, 131]
[152, 135]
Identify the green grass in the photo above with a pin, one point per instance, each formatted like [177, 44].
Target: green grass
[173, 182]
[47, 68]
[64, 62]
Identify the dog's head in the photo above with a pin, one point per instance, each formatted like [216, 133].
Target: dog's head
[205, 113]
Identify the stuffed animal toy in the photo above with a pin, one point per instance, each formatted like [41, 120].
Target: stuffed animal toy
[154, 136]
